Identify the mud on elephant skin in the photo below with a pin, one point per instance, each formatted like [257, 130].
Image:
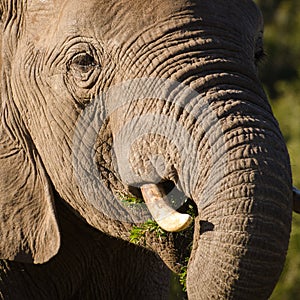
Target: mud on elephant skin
[152, 99]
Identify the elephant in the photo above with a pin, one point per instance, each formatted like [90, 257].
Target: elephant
[155, 101]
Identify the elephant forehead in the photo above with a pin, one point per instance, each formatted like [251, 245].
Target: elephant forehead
[100, 16]
[122, 19]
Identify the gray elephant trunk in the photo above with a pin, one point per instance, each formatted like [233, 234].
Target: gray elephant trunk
[244, 202]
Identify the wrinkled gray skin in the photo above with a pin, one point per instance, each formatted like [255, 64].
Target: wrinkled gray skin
[57, 57]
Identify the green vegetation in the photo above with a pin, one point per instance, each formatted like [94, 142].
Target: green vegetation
[187, 234]
[183, 274]
[131, 200]
[280, 74]
[138, 233]
[138, 236]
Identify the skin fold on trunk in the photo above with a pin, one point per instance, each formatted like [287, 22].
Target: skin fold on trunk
[244, 249]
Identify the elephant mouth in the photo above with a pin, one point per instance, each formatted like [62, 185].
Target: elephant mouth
[173, 212]
[169, 207]
[160, 198]
[156, 196]
[175, 244]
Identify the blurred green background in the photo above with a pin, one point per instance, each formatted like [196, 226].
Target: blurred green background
[280, 74]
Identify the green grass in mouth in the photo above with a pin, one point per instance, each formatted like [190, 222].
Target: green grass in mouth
[138, 237]
[130, 199]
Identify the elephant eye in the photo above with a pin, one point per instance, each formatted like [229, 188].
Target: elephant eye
[259, 53]
[83, 63]
[83, 69]
[259, 56]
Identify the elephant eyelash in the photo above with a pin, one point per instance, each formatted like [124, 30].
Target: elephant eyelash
[83, 62]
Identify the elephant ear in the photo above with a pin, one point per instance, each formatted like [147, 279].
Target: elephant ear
[28, 225]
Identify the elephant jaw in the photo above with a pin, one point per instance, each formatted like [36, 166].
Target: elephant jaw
[166, 217]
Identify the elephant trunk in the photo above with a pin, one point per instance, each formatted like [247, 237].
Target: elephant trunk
[241, 232]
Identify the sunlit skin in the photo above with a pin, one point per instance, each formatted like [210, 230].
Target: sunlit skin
[138, 99]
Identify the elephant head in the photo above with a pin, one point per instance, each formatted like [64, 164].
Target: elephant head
[144, 98]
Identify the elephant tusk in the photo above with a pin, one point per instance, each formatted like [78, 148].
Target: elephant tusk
[165, 216]
[296, 200]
